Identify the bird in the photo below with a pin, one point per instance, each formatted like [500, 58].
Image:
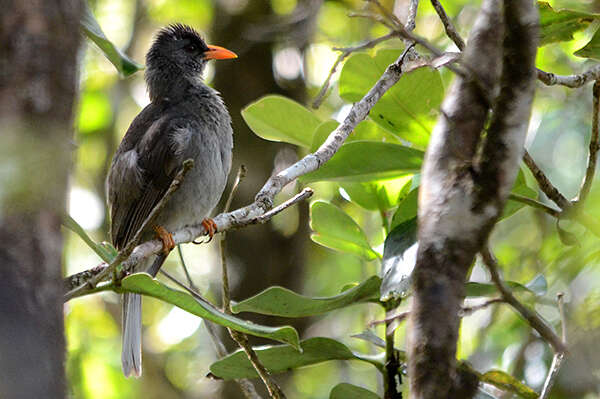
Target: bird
[186, 119]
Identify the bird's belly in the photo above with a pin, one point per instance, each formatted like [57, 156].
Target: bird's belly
[197, 196]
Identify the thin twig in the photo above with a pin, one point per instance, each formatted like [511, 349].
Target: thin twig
[185, 269]
[448, 26]
[346, 51]
[535, 204]
[558, 356]
[534, 320]
[240, 338]
[572, 81]
[412, 38]
[126, 252]
[388, 318]
[225, 298]
[465, 311]
[307, 192]
[557, 360]
[586, 185]
[272, 387]
[468, 310]
[411, 20]
[560, 300]
[545, 184]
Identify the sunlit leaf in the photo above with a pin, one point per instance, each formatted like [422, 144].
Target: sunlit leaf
[379, 195]
[106, 252]
[507, 382]
[279, 301]
[349, 391]
[397, 267]
[361, 161]
[591, 49]
[335, 229]
[407, 209]
[144, 284]
[93, 31]
[278, 118]
[409, 108]
[280, 358]
[559, 26]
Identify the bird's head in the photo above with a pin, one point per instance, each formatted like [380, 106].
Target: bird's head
[178, 53]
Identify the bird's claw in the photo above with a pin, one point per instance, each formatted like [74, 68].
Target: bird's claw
[166, 238]
[211, 228]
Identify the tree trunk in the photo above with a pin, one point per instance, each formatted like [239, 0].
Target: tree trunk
[38, 80]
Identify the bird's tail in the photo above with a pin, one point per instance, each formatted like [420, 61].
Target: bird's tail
[131, 352]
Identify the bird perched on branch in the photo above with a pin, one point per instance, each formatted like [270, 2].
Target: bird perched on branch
[185, 119]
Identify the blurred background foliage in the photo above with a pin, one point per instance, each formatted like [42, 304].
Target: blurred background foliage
[285, 47]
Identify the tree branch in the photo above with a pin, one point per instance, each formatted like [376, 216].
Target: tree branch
[448, 26]
[467, 176]
[534, 320]
[586, 185]
[545, 184]
[558, 356]
[572, 81]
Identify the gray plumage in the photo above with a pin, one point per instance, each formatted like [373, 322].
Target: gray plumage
[186, 119]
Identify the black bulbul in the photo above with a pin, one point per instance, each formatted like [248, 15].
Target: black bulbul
[185, 119]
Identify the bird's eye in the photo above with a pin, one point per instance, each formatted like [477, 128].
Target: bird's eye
[190, 48]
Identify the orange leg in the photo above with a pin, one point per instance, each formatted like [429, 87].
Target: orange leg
[210, 226]
[166, 238]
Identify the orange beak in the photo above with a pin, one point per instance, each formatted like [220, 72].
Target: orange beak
[218, 53]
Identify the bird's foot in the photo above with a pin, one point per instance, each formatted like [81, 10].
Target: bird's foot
[166, 238]
[211, 228]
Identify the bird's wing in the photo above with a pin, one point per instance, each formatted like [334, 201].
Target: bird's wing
[147, 170]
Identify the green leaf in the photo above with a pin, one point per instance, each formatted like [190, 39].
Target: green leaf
[407, 209]
[379, 195]
[592, 49]
[521, 188]
[507, 382]
[106, 252]
[396, 267]
[279, 301]
[371, 337]
[280, 358]
[142, 283]
[336, 230]
[559, 26]
[278, 118]
[365, 131]
[349, 391]
[409, 108]
[93, 31]
[361, 161]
